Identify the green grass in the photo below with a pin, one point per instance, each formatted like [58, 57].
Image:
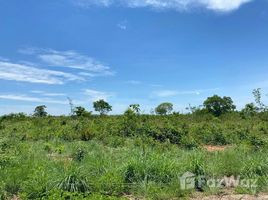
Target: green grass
[94, 158]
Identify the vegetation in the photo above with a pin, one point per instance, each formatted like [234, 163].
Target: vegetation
[40, 111]
[102, 107]
[81, 112]
[131, 155]
[164, 108]
[218, 105]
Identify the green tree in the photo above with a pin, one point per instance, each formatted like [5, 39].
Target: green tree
[135, 108]
[164, 108]
[249, 110]
[81, 112]
[131, 120]
[218, 105]
[258, 99]
[102, 107]
[40, 111]
[71, 105]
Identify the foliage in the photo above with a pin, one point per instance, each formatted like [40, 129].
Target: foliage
[164, 108]
[73, 182]
[135, 108]
[218, 105]
[81, 112]
[102, 107]
[40, 111]
[249, 111]
[258, 99]
[79, 155]
[135, 154]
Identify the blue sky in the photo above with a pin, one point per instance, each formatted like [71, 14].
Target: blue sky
[130, 51]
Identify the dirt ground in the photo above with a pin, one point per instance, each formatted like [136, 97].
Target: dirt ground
[210, 148]
[232, 197]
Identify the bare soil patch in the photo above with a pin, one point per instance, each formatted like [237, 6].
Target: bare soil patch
[232, 197]
[211, 148]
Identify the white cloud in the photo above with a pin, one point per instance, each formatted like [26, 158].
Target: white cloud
[95, 95]
[87, 74]
[216, 5]
[172, 93]
[165, 93]
[69, 59]
[31, 99]
[224, 5]
[43, 93]
[25, 73]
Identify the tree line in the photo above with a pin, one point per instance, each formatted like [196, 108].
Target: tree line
[215, 105]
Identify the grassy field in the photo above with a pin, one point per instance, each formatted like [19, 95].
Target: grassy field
[122, 157]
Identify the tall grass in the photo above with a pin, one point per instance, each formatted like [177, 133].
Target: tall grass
[93, 158]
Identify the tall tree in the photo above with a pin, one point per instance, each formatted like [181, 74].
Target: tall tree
[102, 107]
[71, 106]
[218, 105]
[249, 110]
[40, 111]
[164, 108]
[258, 99]
[135, 108]
[81, 112]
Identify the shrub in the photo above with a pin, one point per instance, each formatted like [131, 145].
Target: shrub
[79, 155]
[74, 182]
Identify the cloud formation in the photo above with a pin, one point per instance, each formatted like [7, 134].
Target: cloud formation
[26, 98]
[216, 5]
[83, 67]
[26, 73]
[172, 93]
[48, 94]
[165, 93]
[69, 59]
[95, 95]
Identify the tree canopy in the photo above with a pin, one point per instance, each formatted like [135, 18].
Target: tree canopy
[102, 107]
[40, 111]
[219, 105]
[164, 108]
[81, 112]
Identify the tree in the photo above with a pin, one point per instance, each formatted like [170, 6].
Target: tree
[135, 108]
[218, 105]
[71, 105]
[40, 111]
[131, 120]
[258, 99]
[249, 110]
[193, 109]
[81, 112]
[102, 107]
[164, 108]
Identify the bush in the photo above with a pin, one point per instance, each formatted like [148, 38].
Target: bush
[74, 182]
[79, 155]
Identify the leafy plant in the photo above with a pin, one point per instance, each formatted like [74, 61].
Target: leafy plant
[218, 105]
[164, 108]
[102, 107]
[74, 182]
[40, 111]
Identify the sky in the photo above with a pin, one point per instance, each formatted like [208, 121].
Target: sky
[130, 51]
